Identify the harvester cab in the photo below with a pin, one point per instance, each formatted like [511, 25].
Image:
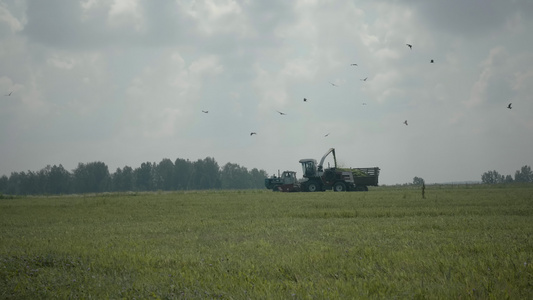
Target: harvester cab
[311, 169]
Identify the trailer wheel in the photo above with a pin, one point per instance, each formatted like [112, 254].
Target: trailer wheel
[312, 187]
[339, 187]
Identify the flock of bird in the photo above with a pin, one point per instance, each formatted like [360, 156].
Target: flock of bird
[365, 79]
[305, 99]
[336, 85]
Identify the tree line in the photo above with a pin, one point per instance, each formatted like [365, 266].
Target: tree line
[166, 175]
[522, 175]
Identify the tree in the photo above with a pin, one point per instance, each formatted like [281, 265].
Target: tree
[144, 177]
[59, 180]
[212, 173]
[524, 174]
[258, 178]
[182, 174]
[4, 181]
[205, 174]
[418, 181]
[29, 183]
[164, 175]
[14, 184]
[492, 177]
[233, 176]
[123, 179]
[91, 178]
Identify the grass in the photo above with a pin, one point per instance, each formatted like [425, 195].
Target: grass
[462, 242]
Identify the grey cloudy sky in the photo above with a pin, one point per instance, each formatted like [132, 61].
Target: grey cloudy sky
[125, 82]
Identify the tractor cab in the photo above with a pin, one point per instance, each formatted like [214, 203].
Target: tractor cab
[309, 167]
[289, 177]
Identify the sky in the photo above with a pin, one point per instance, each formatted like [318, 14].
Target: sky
[125, 82]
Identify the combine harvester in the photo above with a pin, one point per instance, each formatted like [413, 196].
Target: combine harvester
[316, 178]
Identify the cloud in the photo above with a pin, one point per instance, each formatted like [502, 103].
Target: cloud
[158, 100]
[61, 62]
[206, 66]
[471, 19]
[7, 17]
[217, 17]
[126, 14]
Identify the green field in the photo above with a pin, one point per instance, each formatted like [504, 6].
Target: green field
[459, 242]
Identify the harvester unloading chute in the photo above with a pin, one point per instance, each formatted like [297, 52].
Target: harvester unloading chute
[321, 164]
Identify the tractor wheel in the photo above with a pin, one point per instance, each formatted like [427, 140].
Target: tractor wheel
[339, 187]
[276, 188]
[313, 187]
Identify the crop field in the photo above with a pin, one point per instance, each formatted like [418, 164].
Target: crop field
[473, 242]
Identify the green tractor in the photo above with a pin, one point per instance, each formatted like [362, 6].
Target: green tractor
[286, 182]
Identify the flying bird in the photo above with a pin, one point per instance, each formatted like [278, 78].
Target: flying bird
[410, 46]
[305, 99]
[432, 61]
[9, 93]
[326, 135]
[333, 84]
[353, 65]
[279, 112]
[364, 79]
[364, 103]
[252, 133]
[405, 122]
[509, 106]
[205, 111]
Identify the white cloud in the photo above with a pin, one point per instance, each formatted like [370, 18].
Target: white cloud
[214, 17]
[126, 14]
[160, 99]
[61, 62]
[494, 80]
[206, 66]
[6, 17]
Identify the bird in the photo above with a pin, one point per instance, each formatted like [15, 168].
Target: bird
[252, 133]
[326, 135]
[364, 79]
[279, 112]
[205, 111]
[405, 122]
[509, 106]
[432, 61]
[9, 94]
[305, 99]
[364, 103]
[353, 65]
[410, 46]
[333, 84]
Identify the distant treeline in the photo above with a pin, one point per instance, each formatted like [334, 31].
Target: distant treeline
[523, 175]
[94, 177]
